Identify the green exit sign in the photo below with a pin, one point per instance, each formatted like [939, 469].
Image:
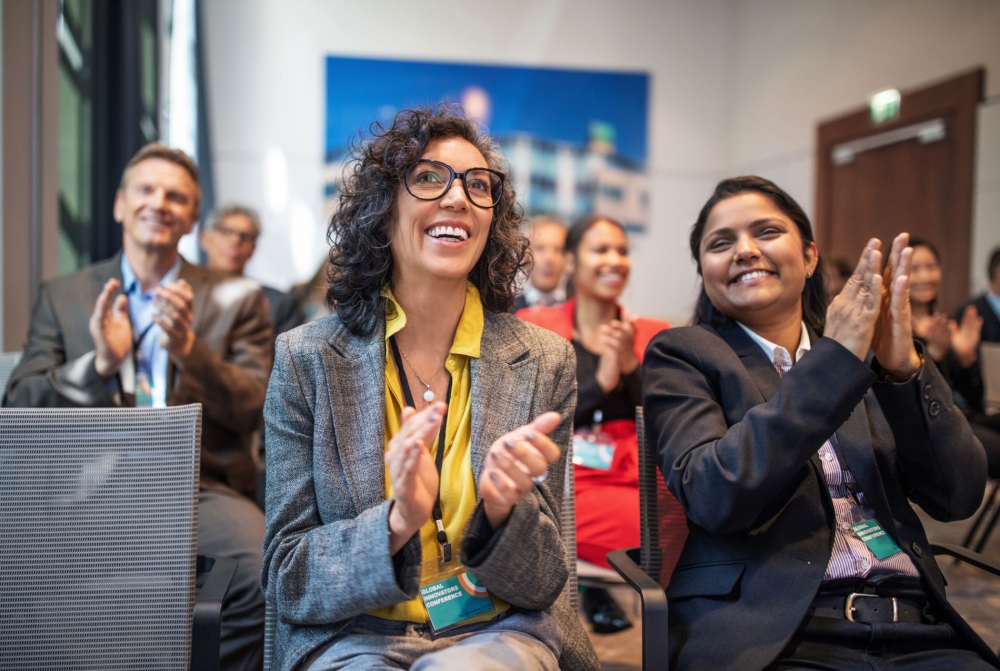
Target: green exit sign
[884, 106]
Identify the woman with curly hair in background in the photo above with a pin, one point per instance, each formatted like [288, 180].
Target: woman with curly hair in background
[417, 438]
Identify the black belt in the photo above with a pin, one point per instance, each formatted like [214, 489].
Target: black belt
[858, 607]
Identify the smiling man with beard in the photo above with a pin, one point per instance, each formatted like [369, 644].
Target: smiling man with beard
[146, 328]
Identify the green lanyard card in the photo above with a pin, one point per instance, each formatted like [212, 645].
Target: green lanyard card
[593, 449]
[453, 597]
[878, 541]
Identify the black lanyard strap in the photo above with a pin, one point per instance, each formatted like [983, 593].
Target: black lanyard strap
[142, 336]
[129, 399]
[438, 457]
[135, 357]
[135, 354]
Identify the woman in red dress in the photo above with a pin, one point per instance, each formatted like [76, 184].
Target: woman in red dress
[609, 344]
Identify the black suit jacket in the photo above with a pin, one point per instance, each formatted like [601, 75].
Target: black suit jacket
[737, 445]
[991, 322]
[227, 370]
[519, 304]
[285, 312]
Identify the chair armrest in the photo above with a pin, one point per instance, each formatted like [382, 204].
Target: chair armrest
[655, 651]
[215, 575]
[968, 556]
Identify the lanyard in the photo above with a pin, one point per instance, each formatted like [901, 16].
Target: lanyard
[135, 348]
[438, 457]
[135, 365]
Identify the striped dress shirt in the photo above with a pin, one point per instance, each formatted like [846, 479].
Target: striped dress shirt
[850, 557]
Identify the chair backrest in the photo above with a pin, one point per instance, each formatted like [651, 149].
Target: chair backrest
[567, 522]
[270, 624]
[663, 524]
[98, 520]
[8, 362]
[989, 358]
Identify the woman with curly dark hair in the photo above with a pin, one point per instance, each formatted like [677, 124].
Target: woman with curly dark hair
[411, 522]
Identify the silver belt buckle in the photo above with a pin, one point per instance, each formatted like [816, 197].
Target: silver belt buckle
[849, 606]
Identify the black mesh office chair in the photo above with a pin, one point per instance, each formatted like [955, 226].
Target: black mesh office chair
[98, 522]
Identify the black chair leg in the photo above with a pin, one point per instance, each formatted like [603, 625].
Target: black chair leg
[990, 500]
[655, 611]
[989, 527]
[215, 574]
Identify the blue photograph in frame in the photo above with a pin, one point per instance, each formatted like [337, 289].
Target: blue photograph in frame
[576, 140]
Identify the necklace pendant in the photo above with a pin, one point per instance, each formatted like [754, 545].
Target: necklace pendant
[429, 396]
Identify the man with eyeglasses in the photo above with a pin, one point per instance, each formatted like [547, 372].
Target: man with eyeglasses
[229, 240]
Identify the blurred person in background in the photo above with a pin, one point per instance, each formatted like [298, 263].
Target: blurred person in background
[229, 240]
[146, 328]
[546, 280]
[609, 344]
[988, 304]
[310, 296]
[953, 346]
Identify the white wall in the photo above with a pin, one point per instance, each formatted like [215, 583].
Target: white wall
[797, 62]
[266, 81]
[737, 86]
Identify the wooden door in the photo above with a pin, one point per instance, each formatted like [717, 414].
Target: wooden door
[912, 174]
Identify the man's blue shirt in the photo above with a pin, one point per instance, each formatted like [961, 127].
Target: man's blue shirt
[150, 358]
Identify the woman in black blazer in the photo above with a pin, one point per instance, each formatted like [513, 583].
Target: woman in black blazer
[796, 479]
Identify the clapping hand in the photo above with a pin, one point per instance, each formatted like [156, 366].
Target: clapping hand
[412, 473]
[851, 317]
[175, 302]
[965, 336]
[892, 342]
[873, 310]
[513, 461]
[618, 352]
[111, 330]
[938, 336]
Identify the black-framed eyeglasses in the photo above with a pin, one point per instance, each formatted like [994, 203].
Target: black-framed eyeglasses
[226, 232]
[430, 180]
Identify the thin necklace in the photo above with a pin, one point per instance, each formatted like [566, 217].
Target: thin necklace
[428, 395]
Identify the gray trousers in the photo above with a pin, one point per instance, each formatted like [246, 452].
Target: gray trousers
[522, 642]
[231, 525]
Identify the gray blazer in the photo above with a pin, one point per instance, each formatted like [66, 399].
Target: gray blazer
[326, 547]
[226, 371]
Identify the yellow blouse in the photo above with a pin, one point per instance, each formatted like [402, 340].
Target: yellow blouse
[458, 485]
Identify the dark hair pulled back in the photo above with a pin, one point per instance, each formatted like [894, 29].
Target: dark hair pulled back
[574, 236]
[814, 301]
[926, 244]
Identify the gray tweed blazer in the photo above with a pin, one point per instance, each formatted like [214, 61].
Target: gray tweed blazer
[326, 547]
